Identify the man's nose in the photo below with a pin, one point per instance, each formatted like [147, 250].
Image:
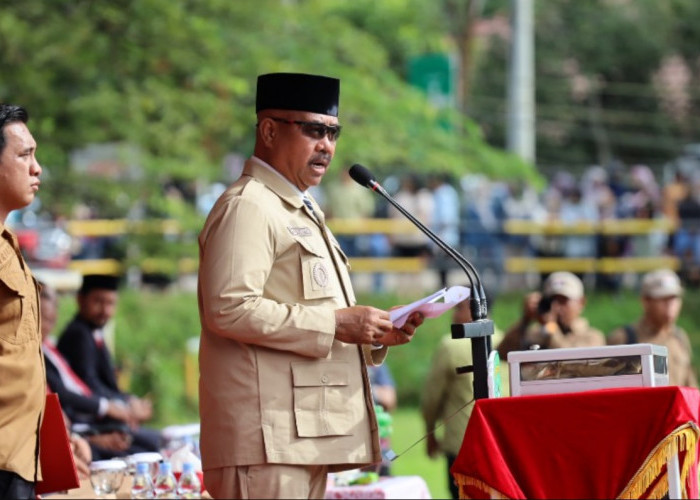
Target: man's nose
[327, 144]
[35, 167]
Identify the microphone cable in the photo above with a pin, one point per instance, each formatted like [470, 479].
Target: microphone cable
[391, 455]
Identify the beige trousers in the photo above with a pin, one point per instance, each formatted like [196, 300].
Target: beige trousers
[267, 481]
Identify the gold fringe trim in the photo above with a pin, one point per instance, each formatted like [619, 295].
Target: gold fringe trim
[660, 488]
[464, 481]
[652, 472]
[683, 438]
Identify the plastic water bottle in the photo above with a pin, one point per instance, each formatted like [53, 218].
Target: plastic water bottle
[165, 485]
[142, 486]
[189, 485]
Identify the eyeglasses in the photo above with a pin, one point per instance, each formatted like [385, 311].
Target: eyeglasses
[315, 130]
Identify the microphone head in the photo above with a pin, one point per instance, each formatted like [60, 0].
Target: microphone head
[362, 176]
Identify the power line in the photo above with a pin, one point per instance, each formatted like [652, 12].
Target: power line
[627, 89]
[607, 114]
[645, 142]
[561, 122]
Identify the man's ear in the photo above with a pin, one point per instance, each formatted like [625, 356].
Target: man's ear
[268, 131]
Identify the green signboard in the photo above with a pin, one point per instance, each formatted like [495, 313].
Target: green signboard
[435, 74]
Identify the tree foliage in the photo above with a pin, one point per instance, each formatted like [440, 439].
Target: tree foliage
[598, 94]
[176, 79]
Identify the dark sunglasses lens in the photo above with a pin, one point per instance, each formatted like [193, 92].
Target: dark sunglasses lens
[314, 130]
[318, 131]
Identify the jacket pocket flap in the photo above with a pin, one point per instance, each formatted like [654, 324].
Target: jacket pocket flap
[309, 246]
[14, 281]
[320, 373]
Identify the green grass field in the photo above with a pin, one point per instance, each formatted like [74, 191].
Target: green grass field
[407, 442]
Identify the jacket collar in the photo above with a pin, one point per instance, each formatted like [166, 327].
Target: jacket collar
[275, 181]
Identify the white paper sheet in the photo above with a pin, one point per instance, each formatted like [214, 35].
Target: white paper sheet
[429, 306]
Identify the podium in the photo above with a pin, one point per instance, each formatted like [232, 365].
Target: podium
[608, 443]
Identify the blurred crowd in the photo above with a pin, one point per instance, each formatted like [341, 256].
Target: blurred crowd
[469, 213]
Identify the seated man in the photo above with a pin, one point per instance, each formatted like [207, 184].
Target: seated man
[77, 399]
[82, 346]
[107, 424]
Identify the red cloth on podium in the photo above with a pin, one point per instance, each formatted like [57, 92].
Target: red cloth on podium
[578, 445]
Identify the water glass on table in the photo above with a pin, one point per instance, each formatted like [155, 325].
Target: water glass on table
[107, 476]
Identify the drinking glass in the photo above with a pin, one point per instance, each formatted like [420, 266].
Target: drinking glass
[106, 476]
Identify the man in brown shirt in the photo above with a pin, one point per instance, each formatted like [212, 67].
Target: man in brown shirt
[662, 300]
[22, 375]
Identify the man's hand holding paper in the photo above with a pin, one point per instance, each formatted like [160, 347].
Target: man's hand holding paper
[369, 325]
[403, 334]
[429, 306]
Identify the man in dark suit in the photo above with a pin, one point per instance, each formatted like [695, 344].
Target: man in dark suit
[105, 420]
[82, 345]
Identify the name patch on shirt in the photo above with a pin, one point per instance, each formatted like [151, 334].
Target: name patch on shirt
[299, 231]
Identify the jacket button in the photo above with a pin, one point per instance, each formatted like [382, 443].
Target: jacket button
[324, 379]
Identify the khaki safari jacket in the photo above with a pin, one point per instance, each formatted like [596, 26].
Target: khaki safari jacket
[675, 339]
[22, 373]
[550, 336]
[275, 386]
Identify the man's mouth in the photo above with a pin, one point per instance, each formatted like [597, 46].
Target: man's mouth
[320, 162]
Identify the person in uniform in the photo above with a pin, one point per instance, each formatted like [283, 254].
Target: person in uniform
[447, 395]
[662, 301]
[535, 311]
[557, 319]
[22, 375]
[284, 396]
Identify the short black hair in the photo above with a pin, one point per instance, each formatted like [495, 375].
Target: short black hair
[98, 282]
[9, 113]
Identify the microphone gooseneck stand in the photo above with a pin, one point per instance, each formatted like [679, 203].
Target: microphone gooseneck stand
[480, 329]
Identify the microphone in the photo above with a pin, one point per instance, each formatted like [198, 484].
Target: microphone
[364, 177]
[480, 329]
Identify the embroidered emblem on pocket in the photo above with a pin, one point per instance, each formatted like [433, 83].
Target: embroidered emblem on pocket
[299, 231]
[320, 274]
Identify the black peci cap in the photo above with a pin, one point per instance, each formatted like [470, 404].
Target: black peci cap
[298, 92]
[98, 282]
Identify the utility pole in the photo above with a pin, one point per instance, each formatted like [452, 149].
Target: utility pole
[521, 84]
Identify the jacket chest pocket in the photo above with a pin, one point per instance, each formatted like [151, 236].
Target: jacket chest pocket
[13, 305]
[318, 274]
[321, 397]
